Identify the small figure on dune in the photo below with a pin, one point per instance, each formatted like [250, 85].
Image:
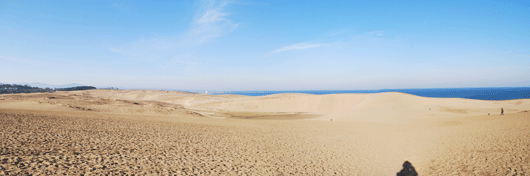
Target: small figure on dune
[488, 113]
[502, 111]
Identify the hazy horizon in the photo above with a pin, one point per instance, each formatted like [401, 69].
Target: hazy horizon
[253, 45]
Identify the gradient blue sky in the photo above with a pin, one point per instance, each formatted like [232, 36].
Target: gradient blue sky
[266, 45]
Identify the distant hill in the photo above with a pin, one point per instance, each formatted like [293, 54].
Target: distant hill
[77, 88]
[16, 88]
[44, 85]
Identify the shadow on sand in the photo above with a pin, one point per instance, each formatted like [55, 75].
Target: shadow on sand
[408, 170]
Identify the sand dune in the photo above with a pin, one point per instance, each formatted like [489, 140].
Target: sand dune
[160, 132]
[389, 107]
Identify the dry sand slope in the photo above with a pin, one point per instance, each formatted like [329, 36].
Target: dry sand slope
[159, 132]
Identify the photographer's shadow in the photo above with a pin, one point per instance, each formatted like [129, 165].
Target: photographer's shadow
[408, 170]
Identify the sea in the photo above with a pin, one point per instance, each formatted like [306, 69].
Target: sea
[490, 93]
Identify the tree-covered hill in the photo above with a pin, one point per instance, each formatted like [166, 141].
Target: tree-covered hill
[77, 88]
[15, 88]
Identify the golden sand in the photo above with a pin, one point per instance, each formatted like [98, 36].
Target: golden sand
[175, 133]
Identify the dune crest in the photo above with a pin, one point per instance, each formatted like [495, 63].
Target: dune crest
[389, 107]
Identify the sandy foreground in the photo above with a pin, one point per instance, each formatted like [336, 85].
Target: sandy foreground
[174, 133]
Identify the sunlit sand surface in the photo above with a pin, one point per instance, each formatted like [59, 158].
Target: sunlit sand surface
[176, 133]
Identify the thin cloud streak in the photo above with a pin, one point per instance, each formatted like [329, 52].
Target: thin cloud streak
[297, 46]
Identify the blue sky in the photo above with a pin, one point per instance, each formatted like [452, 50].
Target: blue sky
[266, 45]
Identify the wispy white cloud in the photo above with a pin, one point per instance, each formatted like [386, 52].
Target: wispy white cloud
[297, 46]
[210, 22]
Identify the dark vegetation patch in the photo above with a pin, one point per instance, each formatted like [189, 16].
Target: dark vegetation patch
[15, 88]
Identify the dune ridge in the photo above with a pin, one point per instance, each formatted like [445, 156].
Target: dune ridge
[390, 107]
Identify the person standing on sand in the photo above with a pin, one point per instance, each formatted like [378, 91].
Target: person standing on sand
[502, 111]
